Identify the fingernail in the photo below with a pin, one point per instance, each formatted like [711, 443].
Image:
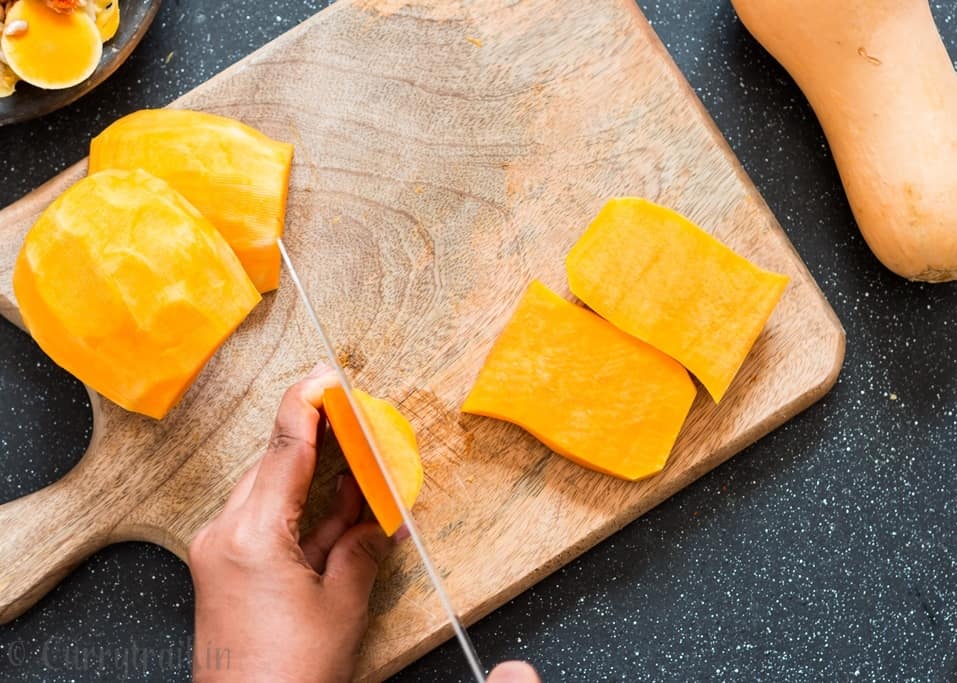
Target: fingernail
[339, 478]
[318, 370]
[514, 672]
[401, 534]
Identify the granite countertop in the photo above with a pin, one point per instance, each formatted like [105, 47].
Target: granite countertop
[827, 551]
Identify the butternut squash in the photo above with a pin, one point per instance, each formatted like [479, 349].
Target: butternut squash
[588, 391]
[237, 177]
[657, 276]
[397, 446]
[125, 285]
[8, 81]
[885, 91]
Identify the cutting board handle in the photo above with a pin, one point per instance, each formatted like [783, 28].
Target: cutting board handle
[45, 535]
[49, 532]
[14, 224]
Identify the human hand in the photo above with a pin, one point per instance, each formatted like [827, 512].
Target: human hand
[513, 672]
[271, 606]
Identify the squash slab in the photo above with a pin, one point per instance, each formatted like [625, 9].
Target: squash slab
[397, 445]
[236, 176]
[585, 389]
[657, 276]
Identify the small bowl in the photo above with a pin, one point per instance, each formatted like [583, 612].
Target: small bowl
[29, 102]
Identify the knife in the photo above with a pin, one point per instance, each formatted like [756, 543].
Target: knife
[460, 633]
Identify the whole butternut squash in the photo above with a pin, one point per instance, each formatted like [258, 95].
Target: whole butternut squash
[885, 91]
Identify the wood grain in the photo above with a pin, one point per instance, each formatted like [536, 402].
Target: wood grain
[446, 154]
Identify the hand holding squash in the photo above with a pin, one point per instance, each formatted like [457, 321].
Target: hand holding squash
[274, 604]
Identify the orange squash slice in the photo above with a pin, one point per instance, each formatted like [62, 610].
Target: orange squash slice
[125, 285]
[657, 276]
[8, 81]
[397, 446]
[107, 18]
[236, 176]
[585, 389]
[56, 50]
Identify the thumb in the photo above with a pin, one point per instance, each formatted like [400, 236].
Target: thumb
[354, 561]
[513, 672]
[285, 472]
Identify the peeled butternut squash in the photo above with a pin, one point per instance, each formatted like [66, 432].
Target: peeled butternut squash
[125, 285]
[657, 276]
[588, 391]
[396, 444]
[885, 91]
[237, 177]
[52, 50]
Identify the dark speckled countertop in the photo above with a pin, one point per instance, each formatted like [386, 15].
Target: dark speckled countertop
[827, 551]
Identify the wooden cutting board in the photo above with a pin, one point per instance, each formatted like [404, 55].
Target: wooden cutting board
[446, 154]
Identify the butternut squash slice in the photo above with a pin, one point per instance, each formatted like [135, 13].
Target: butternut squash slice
[397, 445]
[585, 389]
[125, 285]
[657, 276]
[107, 14]
[236, 176]
[54, 50]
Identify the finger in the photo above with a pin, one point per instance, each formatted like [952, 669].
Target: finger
[285, 472]
[343, 514]
[513, 672]
[241, 491]
[354, 561]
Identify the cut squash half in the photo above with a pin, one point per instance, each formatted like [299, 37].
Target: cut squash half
[126, 286]
[55, 50]
[236, 176]
[659, 277]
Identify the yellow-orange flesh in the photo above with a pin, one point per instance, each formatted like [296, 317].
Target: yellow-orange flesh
[237, 177]
[56, 50]
[396, 444]
[585, 389]
[659, 277]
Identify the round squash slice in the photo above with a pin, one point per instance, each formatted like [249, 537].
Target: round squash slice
[8, 81]
[56, 50]
[235, 175]
[107, 18]
[123, 283]
[397, 446]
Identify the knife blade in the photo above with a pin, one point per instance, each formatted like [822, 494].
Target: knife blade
[461, 634]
